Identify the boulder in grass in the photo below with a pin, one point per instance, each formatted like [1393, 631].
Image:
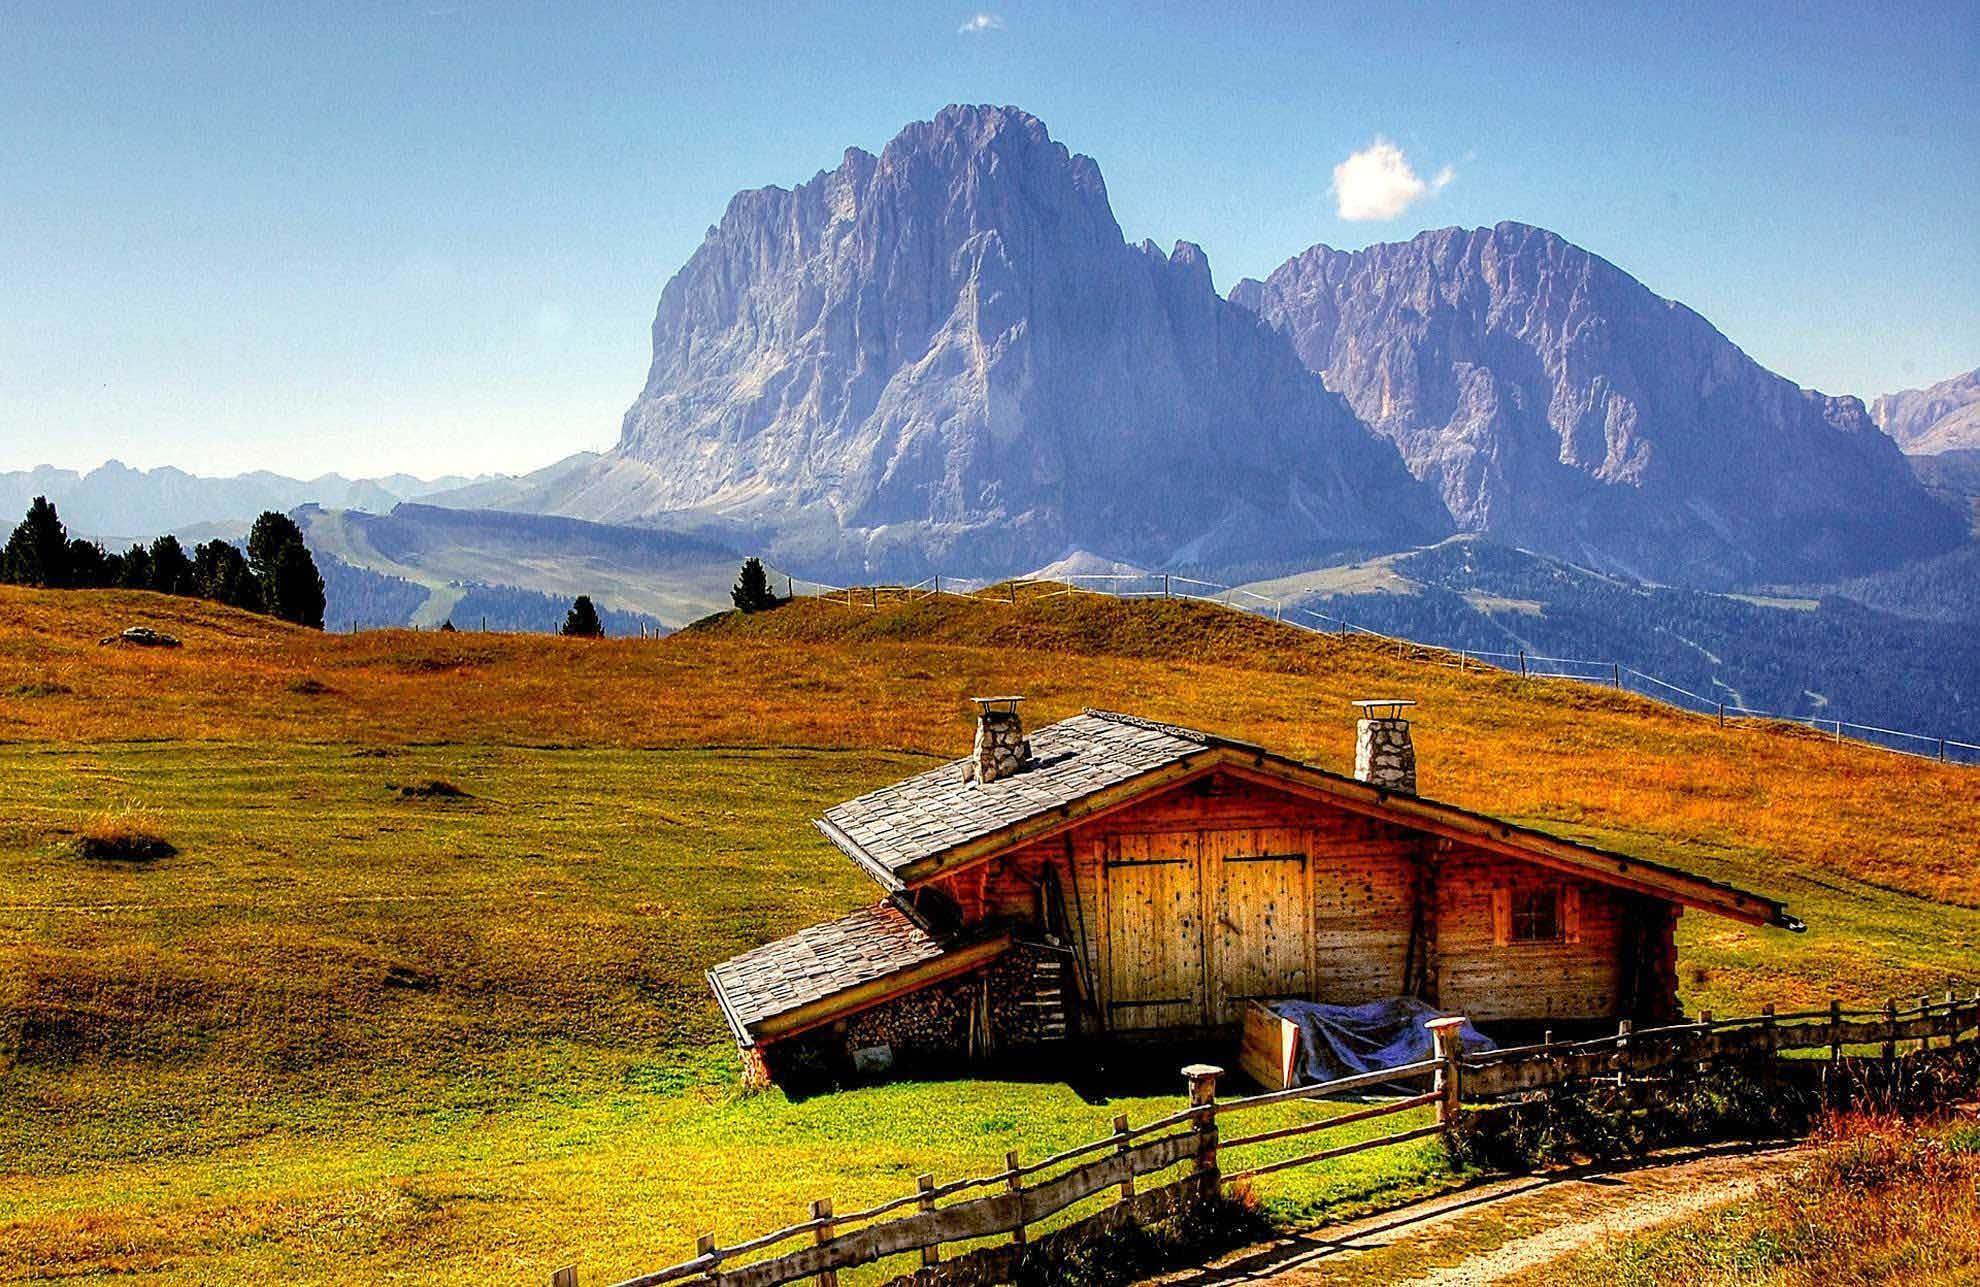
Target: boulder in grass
[141, 637]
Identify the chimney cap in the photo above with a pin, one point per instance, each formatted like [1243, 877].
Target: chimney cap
[990, 703]
[1384, 707]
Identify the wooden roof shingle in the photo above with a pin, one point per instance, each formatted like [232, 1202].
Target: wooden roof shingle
[934, 811]
[819, 962]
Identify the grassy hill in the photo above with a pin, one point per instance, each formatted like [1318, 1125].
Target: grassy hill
[353, 1028]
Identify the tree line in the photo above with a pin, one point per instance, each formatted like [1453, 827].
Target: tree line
[276, 575]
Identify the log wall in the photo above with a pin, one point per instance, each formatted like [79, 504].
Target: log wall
[1487, 975]
[1188, 904]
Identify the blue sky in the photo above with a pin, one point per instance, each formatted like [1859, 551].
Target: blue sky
[431, 235]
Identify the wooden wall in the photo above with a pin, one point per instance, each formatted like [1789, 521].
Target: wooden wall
[1578, 977]
[1187, 904]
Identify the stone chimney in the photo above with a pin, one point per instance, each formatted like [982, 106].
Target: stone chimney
[1383, 754]
[1000, 746]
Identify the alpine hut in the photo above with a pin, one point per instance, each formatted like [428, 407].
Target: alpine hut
[1114, 876]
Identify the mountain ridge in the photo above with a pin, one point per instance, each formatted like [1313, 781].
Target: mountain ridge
[1933, 420]
[1556, 402]
[949, 352]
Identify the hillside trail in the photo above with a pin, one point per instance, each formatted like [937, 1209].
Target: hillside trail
[1501, 1230]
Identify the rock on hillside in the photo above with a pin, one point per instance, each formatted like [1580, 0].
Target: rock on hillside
[947, 355]
[1925, 422]
[1556, 403]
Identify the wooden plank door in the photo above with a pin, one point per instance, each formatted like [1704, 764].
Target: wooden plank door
[1260, 917]
[1154, 932]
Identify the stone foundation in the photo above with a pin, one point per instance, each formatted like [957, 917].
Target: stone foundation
[1384, 755]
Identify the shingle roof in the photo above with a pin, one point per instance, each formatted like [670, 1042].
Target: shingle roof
[819, 962]
[933, 812]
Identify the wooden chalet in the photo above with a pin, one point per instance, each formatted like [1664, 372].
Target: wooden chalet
[1116, 876]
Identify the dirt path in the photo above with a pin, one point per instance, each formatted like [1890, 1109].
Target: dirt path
[1494, 1232]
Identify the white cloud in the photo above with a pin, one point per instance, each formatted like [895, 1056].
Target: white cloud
[1378, 183]
[982, 22]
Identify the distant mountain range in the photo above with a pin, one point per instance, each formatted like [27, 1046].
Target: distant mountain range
[115, 503]
[947, 356]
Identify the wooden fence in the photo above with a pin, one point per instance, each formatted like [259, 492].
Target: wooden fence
[1006, 1204]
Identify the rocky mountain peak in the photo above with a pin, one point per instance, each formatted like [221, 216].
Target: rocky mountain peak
[1557, 403]
[1925, 422]
[950, 351]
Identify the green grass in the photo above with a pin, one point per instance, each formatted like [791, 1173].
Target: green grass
[342, 1030]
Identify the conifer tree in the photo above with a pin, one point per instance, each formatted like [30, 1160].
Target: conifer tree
[751, 591]
[582, 620]
[136, 572]
[291, 587]
[171, 570]
[38, 551]
[220, 573]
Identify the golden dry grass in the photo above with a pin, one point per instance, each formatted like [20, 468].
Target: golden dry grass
[1582, 760]
[1883, 1201]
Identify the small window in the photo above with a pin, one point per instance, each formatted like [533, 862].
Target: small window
[1536, 916]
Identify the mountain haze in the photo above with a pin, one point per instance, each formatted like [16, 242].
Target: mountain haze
[1556, 403]
[947, 355]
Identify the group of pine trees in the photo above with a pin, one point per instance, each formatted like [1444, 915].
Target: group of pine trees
[276, 575]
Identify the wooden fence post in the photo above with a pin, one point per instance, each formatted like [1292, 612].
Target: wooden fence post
[1016, 1183]
[1623, 1028]
[1449, 1083]
[1722, 714]
[822, 1210]
[1202, 1080]
[1522, 663]
[1890, 1032]
[565, 1277]
[926, 1183]
[1616, 667]
[1122, 1147]
[1925, 1015]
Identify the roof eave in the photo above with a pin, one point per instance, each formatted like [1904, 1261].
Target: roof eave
[866, 862]
[736, 1026]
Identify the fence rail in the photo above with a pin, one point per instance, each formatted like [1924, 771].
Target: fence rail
[1002, 1205]
[1607, 673]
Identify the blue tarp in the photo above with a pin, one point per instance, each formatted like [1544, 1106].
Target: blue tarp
[1342, 1040]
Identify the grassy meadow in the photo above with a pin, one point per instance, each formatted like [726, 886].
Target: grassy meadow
[355, 1027]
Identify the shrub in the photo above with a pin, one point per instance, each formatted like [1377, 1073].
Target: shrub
[122, 837]
[431, 789]
[1585, 1121]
